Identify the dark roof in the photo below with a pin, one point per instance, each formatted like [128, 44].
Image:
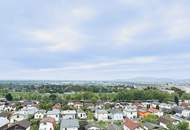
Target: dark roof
[113, 127]
[21, 124]
[166, 120]
[151, 126]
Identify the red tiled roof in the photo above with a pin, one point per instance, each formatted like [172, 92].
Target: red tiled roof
[132, 125]
[152, 110]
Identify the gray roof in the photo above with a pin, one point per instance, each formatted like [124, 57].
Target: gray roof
[53, 112]
[152, 126]
[23, 123]
[91, 125]
[3, 121]
[113, 127]
[116, 111]
[71, 123]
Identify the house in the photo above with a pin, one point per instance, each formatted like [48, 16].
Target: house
[118, 105]
[2, 106]
[101, 115]
[71, 124]
[39, 114]
[10, 107]
[56, 114]
[113, 127]
[143, 113]
[165, 106]
[29, 110]
[156, 112]
[78, 105]
[3, 123]
[186, 113]
[57, 106]
[184, 105]
[21, 125]
[47, 123]
[131, 125]
[151, 126]
[18, 116]
[165, 120]
[116, 115]
[6, 114]
[69, 114]
[92, 127]
[81, 115]
[29, 103]
[130, 112]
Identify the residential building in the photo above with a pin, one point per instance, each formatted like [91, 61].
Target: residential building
[47, 123]
[101, 115]
[3, 123]
[69, 114]
[40, 114]
[116, 115]
[130, 112]
[131, 125]
[69, 124]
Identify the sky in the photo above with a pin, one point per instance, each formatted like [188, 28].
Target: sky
[94, 39]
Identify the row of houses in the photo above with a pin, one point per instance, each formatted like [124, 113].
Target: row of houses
[130, 114]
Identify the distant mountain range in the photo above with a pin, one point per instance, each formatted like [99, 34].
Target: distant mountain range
[157, 80]
[138, 80]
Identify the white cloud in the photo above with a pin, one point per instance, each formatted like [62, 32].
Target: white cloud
[129, 34]
[165, 23]
[83, 13]
[60, 39]
[66, 34]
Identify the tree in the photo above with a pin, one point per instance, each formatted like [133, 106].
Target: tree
[180, 126]
[151, 118]
[90, 115]
[178, 91]
[176, 100]
[9, 97]
[183, 126]
[53, 97]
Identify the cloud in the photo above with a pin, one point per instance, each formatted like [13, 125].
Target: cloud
[61, 39]
[65, 33]
[166, 23]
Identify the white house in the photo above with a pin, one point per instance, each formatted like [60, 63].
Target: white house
[185, 113]
[69, 114]
[165, 106]
[81, 115]
[130, 112]
[116, 115]
[39, 114]
[10, 108]
[2, 106]
[101, 115]
[131, 125]
[47, 124]
[3, 123]
[18, 116]
[69, 124]
[30, 110]
[56, 114]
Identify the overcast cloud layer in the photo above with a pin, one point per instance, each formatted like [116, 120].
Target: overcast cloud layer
[94, 39]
